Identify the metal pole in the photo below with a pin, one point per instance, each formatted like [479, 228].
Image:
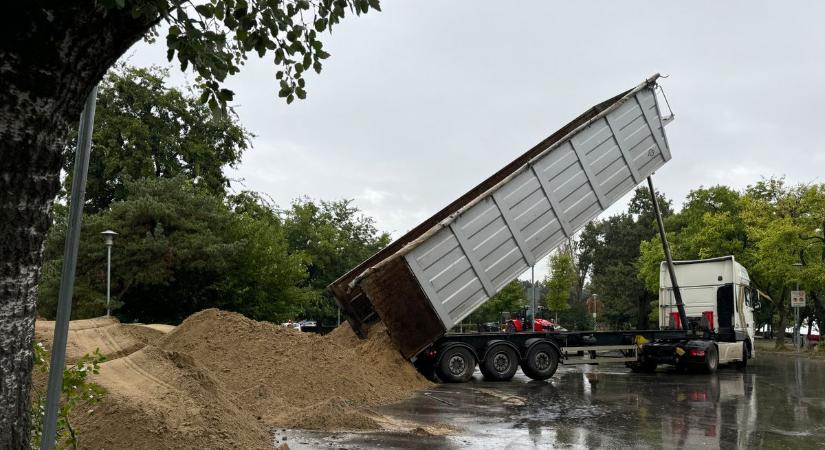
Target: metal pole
[339, 314]
[666, 247]
[595, 310]
[64, 302]
[796, 324]
[533, 289]
[108, 279]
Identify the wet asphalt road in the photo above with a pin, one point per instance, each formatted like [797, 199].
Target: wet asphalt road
[778, 402]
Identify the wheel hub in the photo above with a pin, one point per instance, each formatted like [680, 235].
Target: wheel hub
[457, 365]
[542, 360]
[501, 362]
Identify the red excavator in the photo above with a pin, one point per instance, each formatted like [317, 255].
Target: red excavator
[521, 320]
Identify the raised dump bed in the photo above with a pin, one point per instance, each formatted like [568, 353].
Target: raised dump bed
[442, 270]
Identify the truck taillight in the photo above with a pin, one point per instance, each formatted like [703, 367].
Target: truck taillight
[709, 318]
[697, 352]
[674, 319]
[431, 353]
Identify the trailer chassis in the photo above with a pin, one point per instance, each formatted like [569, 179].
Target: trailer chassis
[453, 358]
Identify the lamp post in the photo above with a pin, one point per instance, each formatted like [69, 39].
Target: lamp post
[595, 309]
[109, 240]
[796, 336]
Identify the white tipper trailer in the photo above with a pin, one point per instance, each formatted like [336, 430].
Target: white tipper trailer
[428, 280]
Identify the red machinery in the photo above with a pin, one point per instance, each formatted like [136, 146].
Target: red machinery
[521, 320]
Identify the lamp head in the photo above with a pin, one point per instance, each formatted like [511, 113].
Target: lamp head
[108, 237]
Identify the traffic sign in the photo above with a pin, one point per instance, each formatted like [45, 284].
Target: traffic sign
[798, 299]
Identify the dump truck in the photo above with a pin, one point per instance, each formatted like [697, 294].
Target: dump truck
[424, 283]
[719, 302]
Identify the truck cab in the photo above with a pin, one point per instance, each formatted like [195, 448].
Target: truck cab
[719, 303]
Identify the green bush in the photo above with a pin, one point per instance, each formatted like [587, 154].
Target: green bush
[77, 393]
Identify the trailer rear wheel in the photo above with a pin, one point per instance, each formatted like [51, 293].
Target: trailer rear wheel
[541, 362]
[456, 365]
[500, 363]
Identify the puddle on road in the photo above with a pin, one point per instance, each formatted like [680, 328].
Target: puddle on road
[778, 402]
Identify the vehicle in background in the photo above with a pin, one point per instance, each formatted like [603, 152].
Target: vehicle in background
[719, 302]
[309, 326]
[524, 320]
[292, 325]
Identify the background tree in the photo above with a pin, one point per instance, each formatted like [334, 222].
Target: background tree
[144, 128]
[561, 282]
[616, 250]
[180, 250]
[334, 237]
[510, 298]
[766, 227]
[53, 53]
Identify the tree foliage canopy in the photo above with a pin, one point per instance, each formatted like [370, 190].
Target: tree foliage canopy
[767, 227]
[180, 249]
[216, 37]
[561, 282]
[510, 298]
[334, 237]
[144, 128]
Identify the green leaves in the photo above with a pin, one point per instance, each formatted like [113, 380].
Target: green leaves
[766, 227]
[145, 128]
[561, 283]
[215, 38]
[78, 393]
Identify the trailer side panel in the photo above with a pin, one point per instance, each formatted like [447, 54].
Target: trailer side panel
[452, 263]
[545, 203]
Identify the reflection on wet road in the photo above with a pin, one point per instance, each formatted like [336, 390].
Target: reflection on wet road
[778, 402]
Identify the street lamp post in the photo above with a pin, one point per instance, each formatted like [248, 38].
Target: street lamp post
[109, 240]
[796, 326]
[595, 309]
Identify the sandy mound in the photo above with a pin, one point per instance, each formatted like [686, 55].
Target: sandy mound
[105, 333]
[165, 400]
[276, 372]
[333, 414]
[220, 380]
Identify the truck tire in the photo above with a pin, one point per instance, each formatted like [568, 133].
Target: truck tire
[741, 365]
[711, 360]
[456, 365]
[500, 363]
[541, 362]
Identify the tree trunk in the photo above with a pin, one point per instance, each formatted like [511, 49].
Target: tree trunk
[819, 309]
[644, 310]
[52, 54]
[781, 324]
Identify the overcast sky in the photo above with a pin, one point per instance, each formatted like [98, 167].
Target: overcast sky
[424, 100]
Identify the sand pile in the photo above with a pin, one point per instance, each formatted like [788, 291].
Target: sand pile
[220, 380]
[276, 372]
[107, 334]
[165, 400]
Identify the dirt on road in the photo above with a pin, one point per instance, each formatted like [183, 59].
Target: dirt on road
[221, 380]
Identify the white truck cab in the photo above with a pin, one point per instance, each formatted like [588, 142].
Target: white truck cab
[718, 299]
